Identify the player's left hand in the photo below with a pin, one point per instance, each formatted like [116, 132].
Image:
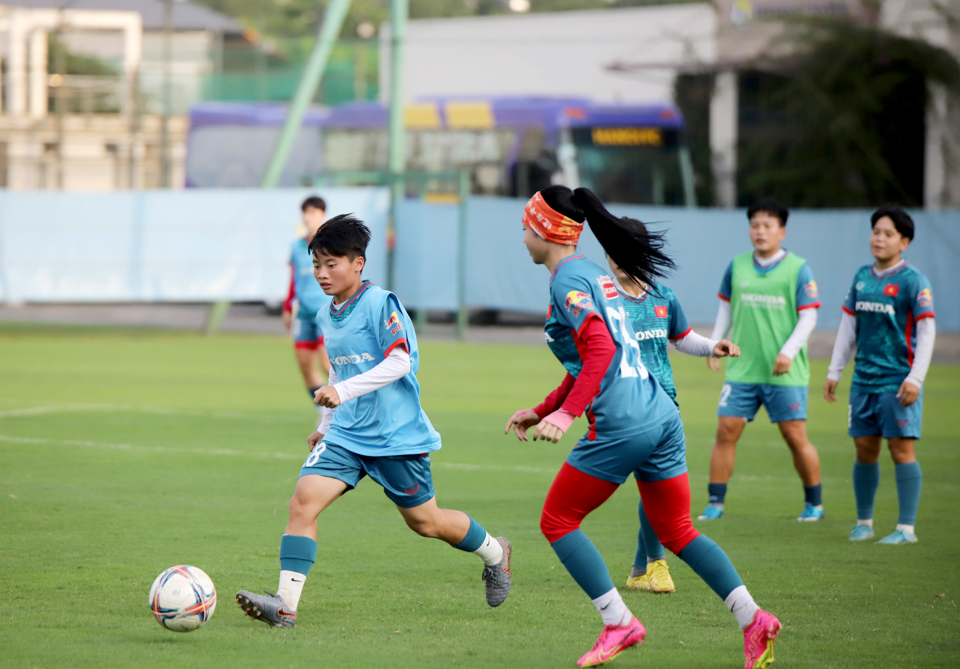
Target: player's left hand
[908, 393]
[547, 432]
[327, 396]
[725, 348]
[313, 440]
[521, 421]
[782, 365]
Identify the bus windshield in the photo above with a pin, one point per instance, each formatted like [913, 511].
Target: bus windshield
[630, 164]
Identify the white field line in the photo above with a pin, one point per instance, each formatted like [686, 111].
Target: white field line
[238, 454]
[118, 408]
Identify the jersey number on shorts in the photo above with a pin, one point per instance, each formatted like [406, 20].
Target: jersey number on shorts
[315, 454]
[627, 368]
[725, 394]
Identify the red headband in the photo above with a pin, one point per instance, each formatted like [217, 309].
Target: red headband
[552, 226]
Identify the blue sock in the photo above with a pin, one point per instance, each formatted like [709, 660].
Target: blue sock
[652, 548]
[584, 562]
[297, 553]
[812, 494]
[909, 481]
[717, 492]
[866, 480]
[474, 539]
[712, 565]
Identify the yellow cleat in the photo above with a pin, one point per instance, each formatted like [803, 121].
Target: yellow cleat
[658, 577]
[640, 582]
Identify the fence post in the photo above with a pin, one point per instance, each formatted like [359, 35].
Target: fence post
[462, 314]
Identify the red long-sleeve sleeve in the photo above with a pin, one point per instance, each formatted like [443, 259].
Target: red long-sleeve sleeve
[596, 349]
[555, 399]
[288, 303]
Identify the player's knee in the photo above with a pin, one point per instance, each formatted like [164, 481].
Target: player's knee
[677, 535]
[425, 527]
[301, 508]
[727, 435]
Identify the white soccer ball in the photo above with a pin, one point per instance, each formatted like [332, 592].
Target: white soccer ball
[183, 598]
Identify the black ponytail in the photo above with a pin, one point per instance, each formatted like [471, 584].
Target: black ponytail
[636, 250]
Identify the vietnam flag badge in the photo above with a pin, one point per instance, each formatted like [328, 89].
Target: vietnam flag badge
[891, 289]
[661, 311]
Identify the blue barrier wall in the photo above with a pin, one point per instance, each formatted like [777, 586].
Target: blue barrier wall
[701, 241]
[203, 245]
[193, 245]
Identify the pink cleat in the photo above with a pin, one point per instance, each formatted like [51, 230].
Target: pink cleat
[614, 639]
[758, 640]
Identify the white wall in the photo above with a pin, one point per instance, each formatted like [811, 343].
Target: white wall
[554, 54]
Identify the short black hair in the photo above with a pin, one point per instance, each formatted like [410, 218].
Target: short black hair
[314, 201]
[769, 206]
[901, 220]
[343, 235]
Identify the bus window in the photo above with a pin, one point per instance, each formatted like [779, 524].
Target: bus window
[483, 153]
[536, 166]
[630, 165]
[355, 150]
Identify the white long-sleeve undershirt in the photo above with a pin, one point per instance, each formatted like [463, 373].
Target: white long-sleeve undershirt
[847, 339]
[694, 344]
[806, 322]
[395, 366]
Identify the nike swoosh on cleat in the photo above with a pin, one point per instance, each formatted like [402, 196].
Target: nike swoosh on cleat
[613, 651]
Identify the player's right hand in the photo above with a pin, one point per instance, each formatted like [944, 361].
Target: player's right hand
[313, 440]
[522, 421]
[713, 364]
[287, 317]
[830, 390]
[723, 349]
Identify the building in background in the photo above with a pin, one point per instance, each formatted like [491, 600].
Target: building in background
[90, 99]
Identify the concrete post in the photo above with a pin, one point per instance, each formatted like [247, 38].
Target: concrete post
[724, 112]
[38, 73]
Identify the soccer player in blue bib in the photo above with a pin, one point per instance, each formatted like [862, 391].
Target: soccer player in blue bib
[657, 317]
[373, 426]
[306, 293]
[888, 315]
[769, 302]
[634, 426]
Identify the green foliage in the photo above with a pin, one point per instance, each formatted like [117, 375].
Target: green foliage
[842, 125]
[124, 452]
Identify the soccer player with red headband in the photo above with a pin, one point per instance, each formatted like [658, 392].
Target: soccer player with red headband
[634, 426]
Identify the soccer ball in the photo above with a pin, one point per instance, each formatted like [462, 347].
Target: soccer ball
[183, 598]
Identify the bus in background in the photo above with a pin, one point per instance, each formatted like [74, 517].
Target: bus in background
[512, 147]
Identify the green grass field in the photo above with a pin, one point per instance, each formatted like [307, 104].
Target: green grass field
[124, 452]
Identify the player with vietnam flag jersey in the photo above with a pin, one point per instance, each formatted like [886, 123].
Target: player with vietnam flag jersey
[634, 426]
[888, 315]
[657, 317]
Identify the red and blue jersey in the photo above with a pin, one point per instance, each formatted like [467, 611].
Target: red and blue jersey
[657, 317]
[579, 291]
[887, 309]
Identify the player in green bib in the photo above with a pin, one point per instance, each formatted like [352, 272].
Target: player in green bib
[770, 299]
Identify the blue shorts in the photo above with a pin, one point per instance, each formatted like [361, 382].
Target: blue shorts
[655, 454]
[306, 333]
[743, 400]
[872, 414]
[405, 479]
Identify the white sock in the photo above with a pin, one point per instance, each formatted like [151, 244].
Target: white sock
[291, 587]
[612, 609]
[906, 528]
[490, 551]
[742, 606]
[868, 522]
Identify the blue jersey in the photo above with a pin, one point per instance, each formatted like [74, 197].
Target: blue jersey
[306, 289]
[656, 316]
[358, 336]
[887, 309]
[580, 290]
